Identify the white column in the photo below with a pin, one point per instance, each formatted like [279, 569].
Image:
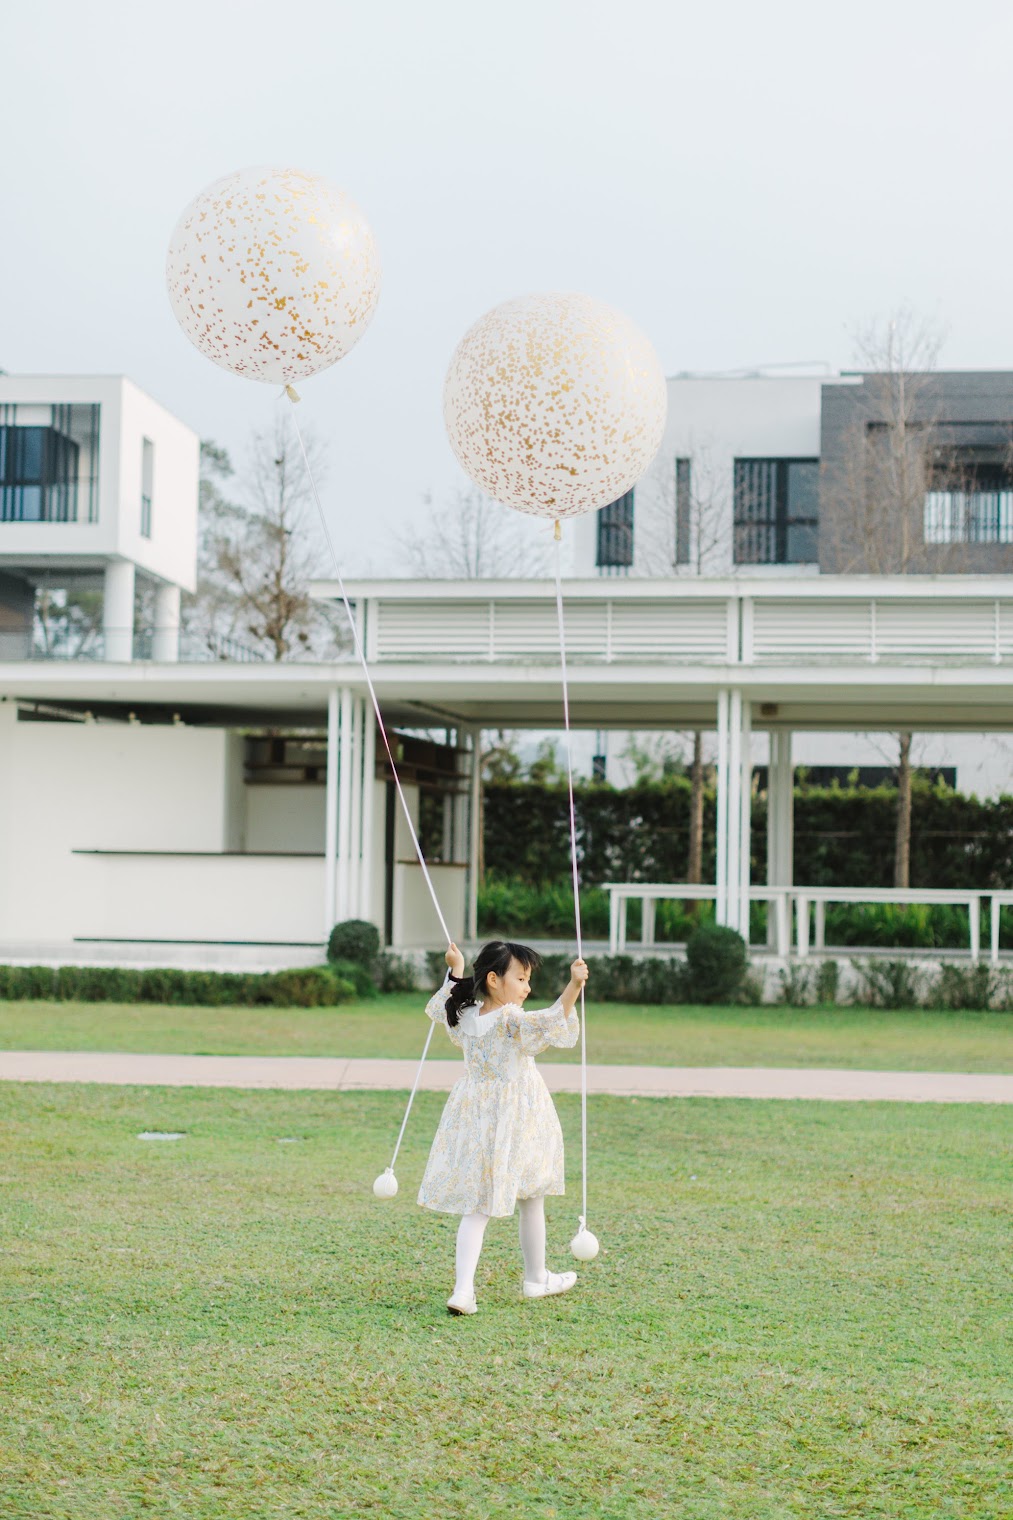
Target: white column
[780, 818]
[366, 865]
[780, 811]
[165, 640]
[344, 803]
[355, 822]
[474, 832]
[721, 874]
[331, 806]
[118, 610]
[734, 807]
[745, 817]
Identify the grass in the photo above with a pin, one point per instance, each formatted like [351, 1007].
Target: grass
[800, 1311]
[617, 1033]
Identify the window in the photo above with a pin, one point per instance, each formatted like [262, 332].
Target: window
[776, 511]
[48, 463]
[615, 534]
[147, 478]
[683, 511]
[970, 499]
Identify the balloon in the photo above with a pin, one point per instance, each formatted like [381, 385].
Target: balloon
[273, 274]
[555, 404]
[584, 1245]
[385, 1185]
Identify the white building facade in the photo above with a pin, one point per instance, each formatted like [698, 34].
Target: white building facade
[98, 494]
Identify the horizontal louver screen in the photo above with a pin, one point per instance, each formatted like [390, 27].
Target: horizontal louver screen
[433, 630]
[785, 630]
[671, 630]
[912, 629]
[639, 631]
[532, 629]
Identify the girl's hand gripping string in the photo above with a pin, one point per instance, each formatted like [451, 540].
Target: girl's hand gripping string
[455, 960]
[578, 976]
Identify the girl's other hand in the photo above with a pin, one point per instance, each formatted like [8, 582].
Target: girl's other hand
[455, 960]
[579, 972]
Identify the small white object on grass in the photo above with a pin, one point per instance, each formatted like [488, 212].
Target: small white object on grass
[161, 1134]
[385, 1185]
[584, 1245]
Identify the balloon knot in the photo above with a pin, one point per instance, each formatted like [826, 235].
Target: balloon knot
[292, 393]
[557, 531]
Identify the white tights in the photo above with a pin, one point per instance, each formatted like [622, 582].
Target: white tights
[471, 1233]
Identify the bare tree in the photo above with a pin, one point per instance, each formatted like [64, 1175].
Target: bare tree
[257, 555]
[683, 516]
[874, 494]
[473, 538]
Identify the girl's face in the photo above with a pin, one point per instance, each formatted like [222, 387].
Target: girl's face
[512, 987]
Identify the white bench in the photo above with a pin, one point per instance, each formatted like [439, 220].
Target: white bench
[650, 893]
[1003, 899]
[818, 897]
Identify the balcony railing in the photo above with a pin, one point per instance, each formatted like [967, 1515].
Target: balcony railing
[97, 644]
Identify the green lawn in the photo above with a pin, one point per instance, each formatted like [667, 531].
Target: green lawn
[801, 1311]
[396, 1026]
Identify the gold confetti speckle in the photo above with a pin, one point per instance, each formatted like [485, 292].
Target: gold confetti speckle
[290, 241]
[538, 392]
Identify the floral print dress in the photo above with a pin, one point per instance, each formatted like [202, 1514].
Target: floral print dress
[499, 1138]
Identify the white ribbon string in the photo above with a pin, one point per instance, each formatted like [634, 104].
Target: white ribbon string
[365, 670]
[293, 397]
[576, 878]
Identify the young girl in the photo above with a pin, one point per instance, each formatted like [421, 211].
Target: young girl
[499, 1141]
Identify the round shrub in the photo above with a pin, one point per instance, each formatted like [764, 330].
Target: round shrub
[717, 959]
[354, 940]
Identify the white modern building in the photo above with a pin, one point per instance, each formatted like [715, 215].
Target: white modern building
[98, 493]
[148, 800]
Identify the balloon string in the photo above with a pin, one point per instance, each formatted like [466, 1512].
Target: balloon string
[411, 1099]
[573, 866]
[294, 397]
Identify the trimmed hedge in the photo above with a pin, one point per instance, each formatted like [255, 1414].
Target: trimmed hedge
[642, 834]
[301, 987]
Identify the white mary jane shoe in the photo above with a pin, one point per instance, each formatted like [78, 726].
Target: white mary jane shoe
[556, 1282]
[462, 1305]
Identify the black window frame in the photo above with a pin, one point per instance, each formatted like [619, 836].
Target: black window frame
[763, 539]
[614, 546]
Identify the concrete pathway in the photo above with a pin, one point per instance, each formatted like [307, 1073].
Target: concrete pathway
[330, 1074]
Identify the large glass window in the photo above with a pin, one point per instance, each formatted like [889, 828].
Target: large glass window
[48, 463]
[970, 500]
[776, 511]
[615, 534]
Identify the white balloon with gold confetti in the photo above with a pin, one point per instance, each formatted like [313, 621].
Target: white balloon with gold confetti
[273, 273]
[555, 404]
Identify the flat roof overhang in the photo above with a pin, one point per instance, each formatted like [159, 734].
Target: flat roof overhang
[969, 697]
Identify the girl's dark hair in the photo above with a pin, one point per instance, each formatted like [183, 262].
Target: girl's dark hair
[496, 956]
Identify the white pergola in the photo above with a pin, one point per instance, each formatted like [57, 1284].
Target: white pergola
[748, 654]
[740, 656]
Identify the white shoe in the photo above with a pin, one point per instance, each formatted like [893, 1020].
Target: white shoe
[462, 1305]
[556, 1282]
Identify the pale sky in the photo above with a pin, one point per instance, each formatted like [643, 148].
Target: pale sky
[748, 182]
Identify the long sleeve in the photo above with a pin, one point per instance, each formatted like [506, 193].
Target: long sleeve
[436, 1009]
[536, 1030]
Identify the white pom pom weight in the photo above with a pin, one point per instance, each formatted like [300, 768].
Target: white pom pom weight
[584, 1245]
[385, 1186]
